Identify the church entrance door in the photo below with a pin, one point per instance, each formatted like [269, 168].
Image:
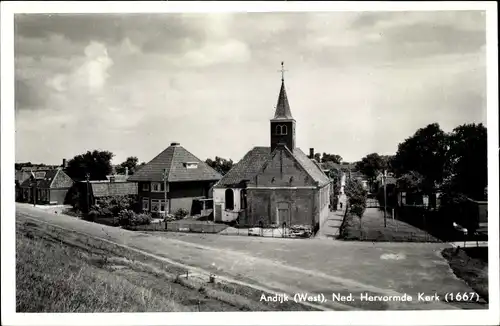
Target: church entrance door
[283, 216]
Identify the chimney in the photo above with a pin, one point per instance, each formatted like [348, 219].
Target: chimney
[311, 153]
[126, 171]
[64, 163]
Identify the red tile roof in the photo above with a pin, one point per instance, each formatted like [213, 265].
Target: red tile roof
[174, 159]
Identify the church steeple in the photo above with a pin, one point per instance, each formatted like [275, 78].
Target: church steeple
[283, 124]
[283, 108]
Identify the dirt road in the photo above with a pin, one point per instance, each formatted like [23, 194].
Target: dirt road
[297, 266]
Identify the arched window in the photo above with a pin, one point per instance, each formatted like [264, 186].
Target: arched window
[281, 130]
[229, 199]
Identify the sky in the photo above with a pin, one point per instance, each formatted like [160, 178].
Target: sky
[357, 82]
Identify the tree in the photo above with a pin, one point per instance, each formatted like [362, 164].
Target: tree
[388, 159]
[335, 175]
[331, 158]
[130, 163]
[220, 164]
[467, 158]
[356, 197]
[411, 182]
[317, 157]
[424, 153]
[96, 163]
[19, 166]
[371, 165]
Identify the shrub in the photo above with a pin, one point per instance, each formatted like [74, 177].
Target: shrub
[141, 219]
[91, 216]
[125, 217]
[130, 218]
[181, 213]
[113, 205]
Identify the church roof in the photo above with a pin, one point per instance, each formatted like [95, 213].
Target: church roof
[177, 160]
[253, 161]
[247, 167]
[282, 108]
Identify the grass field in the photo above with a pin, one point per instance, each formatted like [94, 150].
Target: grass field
[373, 229]
[471, 265]
[60, 271]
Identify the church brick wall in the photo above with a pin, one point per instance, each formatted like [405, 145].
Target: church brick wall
[303, 204]
[282, 171]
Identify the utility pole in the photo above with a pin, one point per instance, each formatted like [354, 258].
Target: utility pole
[165, 196]
[87, 177]
[34, 192]
[384, 178]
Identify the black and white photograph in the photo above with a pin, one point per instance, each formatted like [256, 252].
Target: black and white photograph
[272, 163]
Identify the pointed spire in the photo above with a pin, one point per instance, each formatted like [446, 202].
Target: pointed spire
[283, 108]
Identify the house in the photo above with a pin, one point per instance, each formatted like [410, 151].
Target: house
[92, 192]
[49, 186]
[177, 175]
[276, 185]
[21, 176]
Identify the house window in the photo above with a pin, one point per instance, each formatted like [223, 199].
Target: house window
[157, 187]
[191, 165]
[281, 130]
[158, 205]
[145, 187]
[145, 204]
[39, 175]
[229, 194]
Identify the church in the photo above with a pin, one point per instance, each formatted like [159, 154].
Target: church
[276, 185]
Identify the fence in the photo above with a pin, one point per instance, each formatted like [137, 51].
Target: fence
[259, 230]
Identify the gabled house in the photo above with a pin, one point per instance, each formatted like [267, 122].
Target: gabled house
[186, 177]
[92, 192]
[48, 186]
[277, 185]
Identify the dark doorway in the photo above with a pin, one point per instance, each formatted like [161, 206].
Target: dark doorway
[229, 199]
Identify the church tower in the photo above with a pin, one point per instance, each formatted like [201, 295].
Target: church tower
[283, 124]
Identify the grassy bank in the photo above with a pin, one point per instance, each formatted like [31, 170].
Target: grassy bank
[371, 228]
[52, 277]
[471, 265]
[63, 271]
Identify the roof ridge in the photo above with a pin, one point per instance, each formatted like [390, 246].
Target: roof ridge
[55, 176]
[171, 164]
[314, 163]
[300, 163]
